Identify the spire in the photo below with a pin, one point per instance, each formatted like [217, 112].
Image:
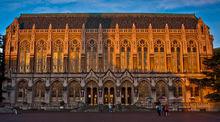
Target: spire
[67, 26]
[50, 27]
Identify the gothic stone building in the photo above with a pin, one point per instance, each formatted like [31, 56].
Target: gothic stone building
[105, 58]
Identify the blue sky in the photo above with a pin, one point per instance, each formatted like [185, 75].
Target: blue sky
[209, 10]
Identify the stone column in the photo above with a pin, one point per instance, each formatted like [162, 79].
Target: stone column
[135, 95]
[83, 95]
[100, 96]
[118, 95]
[47, 95]
[65, 90]
[153, 93]
[65, 95]
[12, 96]
[29, 95]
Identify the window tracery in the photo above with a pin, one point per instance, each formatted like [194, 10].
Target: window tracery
[91, 54]
[74, 55]
[159, 56]
[125, 54]
[41, 56]
[58, 56]
[22, 91]
[142, 55]
[39, 91]
[175, 56]
[192, 56]
[108, 54]
[24, 58]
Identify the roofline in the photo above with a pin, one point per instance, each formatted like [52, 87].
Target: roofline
[106, 14]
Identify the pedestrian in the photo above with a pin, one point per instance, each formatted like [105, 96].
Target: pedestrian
[15, 111]
[158, 108]
[166, 110]
[109, 107]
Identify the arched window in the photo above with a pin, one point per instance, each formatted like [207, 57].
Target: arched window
[74, 55]
[58, 56]
[159, 56]
[125, 54]
[91, 54]
[39, 91]
[144, 91]
[56, 91]
[74, 89]
[178, 89]
[41, 56]
[24, 56]
[161, 89]
[142, 55]
[108, 54]
[22, 91]
[192, 57]
[175, 57]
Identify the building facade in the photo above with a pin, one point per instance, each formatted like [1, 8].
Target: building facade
[105, 58]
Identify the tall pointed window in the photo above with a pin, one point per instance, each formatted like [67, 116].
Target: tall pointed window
[74, 55]
[125, 53]
[142, 55]
[39, 91]
[175, 56]
[178, 89]
[41, 56]
[91, 54]
[159, 56]
[58, 56]
[108, 54]
[22, 91]
[24, 56]
[192, 56]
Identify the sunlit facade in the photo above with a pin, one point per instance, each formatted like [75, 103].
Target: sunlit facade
[105, 58]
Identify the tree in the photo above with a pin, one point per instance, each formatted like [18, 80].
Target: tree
[2, 78]
[213, 76]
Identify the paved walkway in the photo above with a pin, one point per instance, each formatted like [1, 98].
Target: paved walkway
[110, 117]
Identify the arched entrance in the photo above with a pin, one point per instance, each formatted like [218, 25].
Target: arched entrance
[56, 92]
[92, 93]
[109, 92]
[39, 92]
[126, 92]
[144, 93]
[162, 91]
[22, 91]
[74, 89]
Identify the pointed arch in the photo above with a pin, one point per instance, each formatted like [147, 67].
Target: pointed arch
[22, 88]
[39, 91]
[91, 54]
[125, 54]
[41, 56]
[74, 55]
[108, 51]
[58, 48]
[24, 56]
[159, 53]
[192, 50]
[176, 51]
[142, 51]
[161, 89]
[74, 90]
[56, 91]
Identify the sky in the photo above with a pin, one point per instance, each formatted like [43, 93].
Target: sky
[209, 10]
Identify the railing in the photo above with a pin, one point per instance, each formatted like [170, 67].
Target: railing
[107, 30]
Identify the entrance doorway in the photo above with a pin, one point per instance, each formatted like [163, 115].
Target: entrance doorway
[109, 93]
[126, 93]
[92, 93]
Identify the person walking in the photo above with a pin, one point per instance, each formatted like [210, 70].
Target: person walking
[166, 110]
